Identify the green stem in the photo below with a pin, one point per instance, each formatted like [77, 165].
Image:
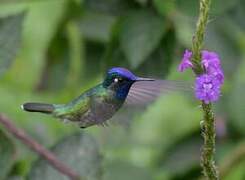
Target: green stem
[198, 38]
[208, 150]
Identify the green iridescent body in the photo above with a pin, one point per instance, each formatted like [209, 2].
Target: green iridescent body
[92, 107]
[101, 102]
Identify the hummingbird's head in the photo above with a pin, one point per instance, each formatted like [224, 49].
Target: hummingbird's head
[120, 80]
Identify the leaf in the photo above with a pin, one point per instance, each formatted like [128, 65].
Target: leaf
[93, 62]
[79, 151]
[236, 103]
[239, 13]
[223, 37]
[37, 35]
[142, 2]
[113, 55]
[7, 152]
[76, 54]
[141, 33]
[112, 7]
[164, 7]
[187, 150]
[185, 28]
[218, 7]
[96, 26]
[19, 168]
[188, 8]
[161, 59]
[10, 37]
[121, 170]
[56, 66]
[160, 126]
[237, 172]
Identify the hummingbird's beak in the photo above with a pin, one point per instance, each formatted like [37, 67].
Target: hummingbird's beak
[144, 79]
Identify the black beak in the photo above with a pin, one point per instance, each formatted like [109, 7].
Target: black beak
[144, 79]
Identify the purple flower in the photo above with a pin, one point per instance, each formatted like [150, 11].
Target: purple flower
[207, 85]
[207, 88]
[210, 59]
[217, 73]
[186, 61]
[211, 63]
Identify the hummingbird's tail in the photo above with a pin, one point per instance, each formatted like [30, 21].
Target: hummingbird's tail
[38, 107]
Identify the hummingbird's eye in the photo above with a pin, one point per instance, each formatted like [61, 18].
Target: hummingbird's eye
[116, 80]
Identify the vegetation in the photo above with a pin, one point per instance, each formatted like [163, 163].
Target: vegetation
[53, 50]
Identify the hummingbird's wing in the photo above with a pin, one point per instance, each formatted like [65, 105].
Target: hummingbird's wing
[142, 94]
[145, 92]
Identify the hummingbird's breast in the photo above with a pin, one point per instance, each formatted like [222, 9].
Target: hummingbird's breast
[103, 107]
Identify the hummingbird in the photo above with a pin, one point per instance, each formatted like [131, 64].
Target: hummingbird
[100, 103]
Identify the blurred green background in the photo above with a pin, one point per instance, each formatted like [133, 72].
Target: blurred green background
[53, 50]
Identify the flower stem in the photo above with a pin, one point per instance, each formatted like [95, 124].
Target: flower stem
[208, 149]
[198, 38]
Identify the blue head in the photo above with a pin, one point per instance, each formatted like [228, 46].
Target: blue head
[120, 80]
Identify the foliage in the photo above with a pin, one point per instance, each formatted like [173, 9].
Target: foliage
[52, 50]
[7, 151]
[71, 150]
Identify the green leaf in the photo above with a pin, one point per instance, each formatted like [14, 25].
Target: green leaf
[79, 151]
[239, 14]
[10, 37]
[164, 7]
[188, 8]
[142, 2]
[96, 26]
[113, 7]
[141, 33]
[185, 28]
[159, 127]
[223, 37]
[121, 170]
[38, 30]
[19, 168]
[221, 6]
[218, 7]
[236, 103]
[93, 63]
[76, 47]
[7, 152]
[237, 172]
[161, 59]
[188, 150]
[113, 55]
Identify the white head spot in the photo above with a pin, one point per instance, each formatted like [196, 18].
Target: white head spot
[116, 80]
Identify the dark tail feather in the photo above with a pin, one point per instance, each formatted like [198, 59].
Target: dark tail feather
[38, 107]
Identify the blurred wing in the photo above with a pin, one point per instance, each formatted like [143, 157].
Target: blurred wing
[142, 94]
[145, 92]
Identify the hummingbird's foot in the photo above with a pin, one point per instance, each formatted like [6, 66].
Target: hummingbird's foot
[103, 124]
